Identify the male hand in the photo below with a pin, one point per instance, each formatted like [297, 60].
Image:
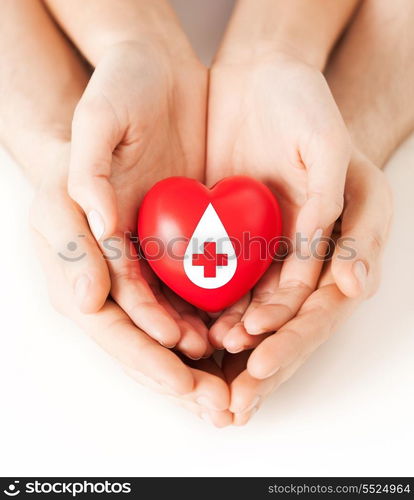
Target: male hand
[364, 227]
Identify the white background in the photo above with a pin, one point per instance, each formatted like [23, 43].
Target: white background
[68, 409]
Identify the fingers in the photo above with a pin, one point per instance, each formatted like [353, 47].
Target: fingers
[276, 299]
[278, 357]
[114, 332]
[95, 134]
[315, 322]
[364, 230]
[226, 321]
[111, 328]
[194, 332]
[139, 296]
[142, 357]
[200, 391]
[247, 393]
[60, 223]
[210, 391]
[326, 158]
[218, 418]
[210, 397]
[282, 291]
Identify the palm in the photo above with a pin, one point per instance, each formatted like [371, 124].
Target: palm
[159, 115]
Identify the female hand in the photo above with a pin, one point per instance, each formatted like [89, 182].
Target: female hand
[364, 227]
[56, 221]
[140, 119]
[275, 119]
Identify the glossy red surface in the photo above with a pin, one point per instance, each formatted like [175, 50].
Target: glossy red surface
[171, 211]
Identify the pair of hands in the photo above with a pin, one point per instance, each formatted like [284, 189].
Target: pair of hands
[142, 118]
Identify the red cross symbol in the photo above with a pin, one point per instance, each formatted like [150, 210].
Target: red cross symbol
[210, 259]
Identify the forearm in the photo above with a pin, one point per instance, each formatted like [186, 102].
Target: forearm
[372, 77]
[96, 25]
[42, 80]
[306, 29]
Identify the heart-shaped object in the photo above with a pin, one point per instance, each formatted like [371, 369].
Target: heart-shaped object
[210, 246]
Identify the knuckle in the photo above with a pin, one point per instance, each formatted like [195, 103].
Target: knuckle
[127, 273]
[93, 110]
[333, 205]
[145, 351]
[335, 137]
[297, 343]
[320, 309]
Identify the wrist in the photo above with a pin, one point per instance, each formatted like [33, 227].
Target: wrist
[261, 49]
[304, 29]
[97, 27]
[153, 49]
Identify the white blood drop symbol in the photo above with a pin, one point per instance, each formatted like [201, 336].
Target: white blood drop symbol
[210, 260]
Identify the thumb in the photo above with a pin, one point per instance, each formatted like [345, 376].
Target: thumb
[60, 224]
[326, 159]
[365, 225]
[95, 134]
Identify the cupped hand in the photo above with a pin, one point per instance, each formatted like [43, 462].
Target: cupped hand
[56, 221]
[140, 119]
[275, 119]
[361, 236]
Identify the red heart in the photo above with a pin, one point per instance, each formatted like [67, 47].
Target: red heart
[210, 246]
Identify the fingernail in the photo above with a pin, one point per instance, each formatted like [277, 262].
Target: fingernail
[194, 358]
[233, 346]
[252, 328]
[81, 287]
[272, 372]
[205, 401]
[254, 403]
[234, 350]
[361, 273]
[166, 345]
[96, 223]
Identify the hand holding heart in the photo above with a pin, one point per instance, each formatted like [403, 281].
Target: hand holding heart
[126, 137]
[230, 394]
[140, 121]
[143, 119]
